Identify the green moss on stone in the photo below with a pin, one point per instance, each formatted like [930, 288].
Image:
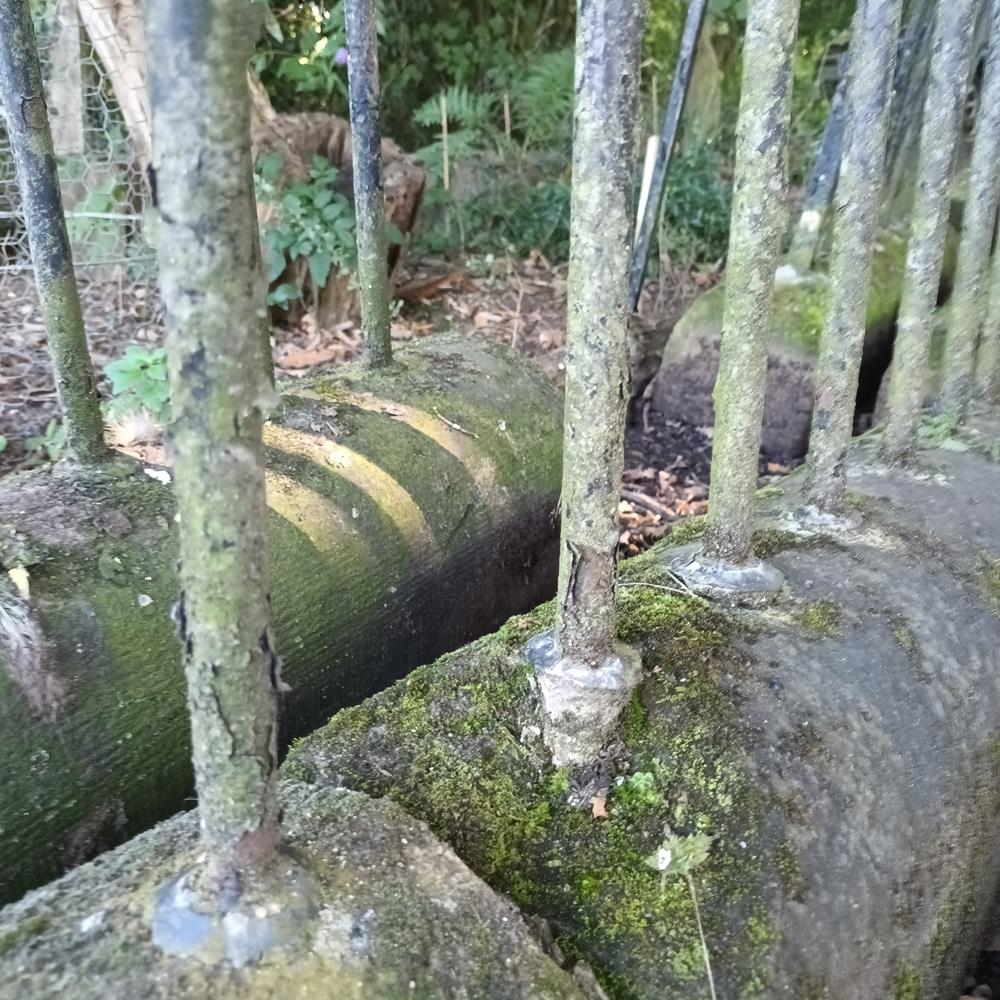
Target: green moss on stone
[768, 542]
[24, 931]
[908, 984]
[457, 744]
[902, 634]
[822, 618]
[633, 720]
[691, 529]
[991, 578]
[790, 870]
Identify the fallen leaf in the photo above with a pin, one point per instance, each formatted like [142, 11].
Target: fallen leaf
[597, 809]
[290, 356]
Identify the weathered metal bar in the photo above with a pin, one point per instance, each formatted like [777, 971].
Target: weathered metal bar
[822, 181]
[34, 161]
[968, 301]
[369, 193]
[758, 225]
[873, 50]
[909, 89]
[209, 279]
[668, 135]
[943, 109]
[585, 678]
[988, 358]
[597, 322]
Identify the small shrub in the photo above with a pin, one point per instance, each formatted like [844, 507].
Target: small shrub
[694, 215]
[139, 382]
[312, 221]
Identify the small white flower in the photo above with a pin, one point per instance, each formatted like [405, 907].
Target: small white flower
[663, 859]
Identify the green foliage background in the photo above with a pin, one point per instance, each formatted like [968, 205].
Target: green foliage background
[509, 188]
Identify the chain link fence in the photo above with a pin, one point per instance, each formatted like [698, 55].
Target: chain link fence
[93, 62]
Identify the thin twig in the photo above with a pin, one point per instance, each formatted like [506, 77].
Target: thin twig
[644, 500]
[453, 425]
[701, 934]
[517, 316]
[681, 588]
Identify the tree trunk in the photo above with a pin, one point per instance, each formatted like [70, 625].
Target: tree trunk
[297, 138]
[409, 512]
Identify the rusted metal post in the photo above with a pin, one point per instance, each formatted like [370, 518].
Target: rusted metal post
[693, 22]
[210, 280]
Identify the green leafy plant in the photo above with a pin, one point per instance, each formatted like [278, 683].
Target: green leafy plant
[139, 382]
[509, 189]
[639, 791]
[306, 56]
[313, 222]
[541, 102]
[681, 855]
[694, 214]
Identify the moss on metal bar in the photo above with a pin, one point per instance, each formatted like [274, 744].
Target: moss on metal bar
[369, 194]
[943, 108]
[968, 297]
[988, 358]
[209, 278]
[758, 224]
[35, 164]
[869, 89]
[987, 367]
[607, 69]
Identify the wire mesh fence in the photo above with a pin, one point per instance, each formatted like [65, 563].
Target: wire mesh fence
[94, 66]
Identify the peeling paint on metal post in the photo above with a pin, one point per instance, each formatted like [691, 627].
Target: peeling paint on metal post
[219, 392]
[822, 183]
[758, 223]
[27, 118]
[585, 676]
[968, 300]
[597, 321]
[869, 92]
[369, 193]
[943, 108]
[693, 22]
